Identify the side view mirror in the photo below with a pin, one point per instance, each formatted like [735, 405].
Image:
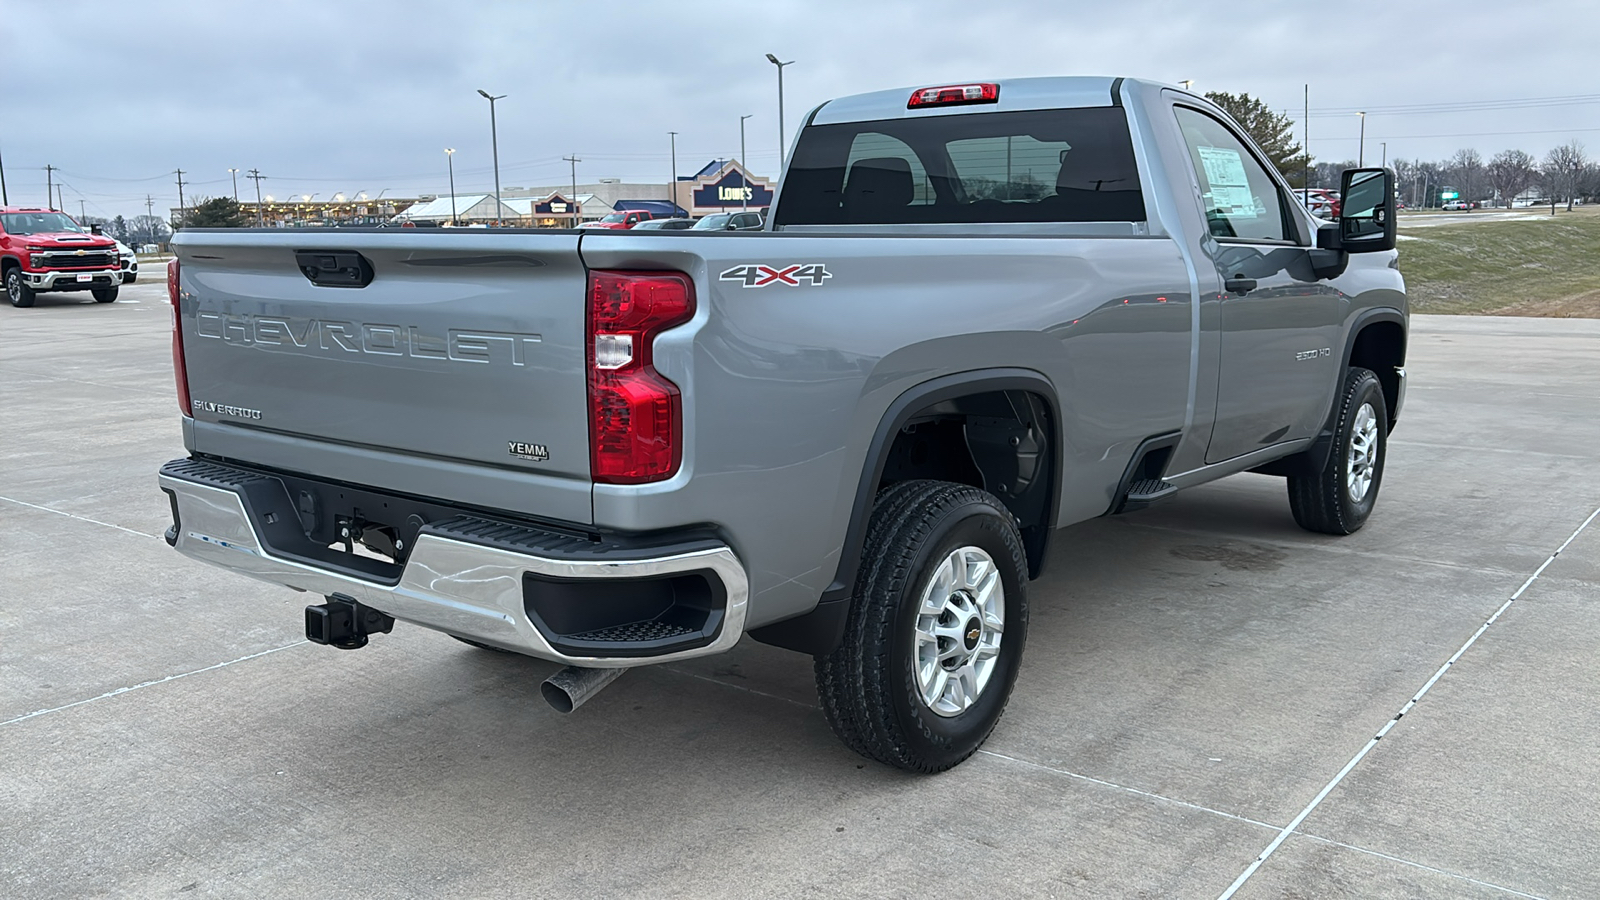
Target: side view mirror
[731, 227]
[1367, 221]
[95, 229]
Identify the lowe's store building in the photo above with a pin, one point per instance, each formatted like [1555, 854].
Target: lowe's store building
[721, 186]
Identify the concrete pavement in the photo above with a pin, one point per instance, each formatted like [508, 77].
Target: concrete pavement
[1197, 675]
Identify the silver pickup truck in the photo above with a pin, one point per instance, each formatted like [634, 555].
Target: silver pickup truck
[977, 313]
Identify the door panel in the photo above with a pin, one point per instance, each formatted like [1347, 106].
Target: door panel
[1278, 320]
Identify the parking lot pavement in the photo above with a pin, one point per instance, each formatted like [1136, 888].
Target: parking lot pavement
[1198, 675]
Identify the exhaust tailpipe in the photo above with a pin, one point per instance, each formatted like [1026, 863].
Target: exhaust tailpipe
[569, 688]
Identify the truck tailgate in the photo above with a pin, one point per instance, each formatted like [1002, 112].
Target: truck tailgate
[457, 372]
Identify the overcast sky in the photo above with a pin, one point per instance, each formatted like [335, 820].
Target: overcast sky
[340, 96]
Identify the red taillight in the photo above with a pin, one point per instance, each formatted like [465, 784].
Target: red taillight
[635, 415]
[179, 371]
[954, 95]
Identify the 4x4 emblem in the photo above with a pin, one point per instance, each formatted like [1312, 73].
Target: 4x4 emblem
[756, 275]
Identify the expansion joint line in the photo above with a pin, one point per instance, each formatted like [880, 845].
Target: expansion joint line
[1373, 742]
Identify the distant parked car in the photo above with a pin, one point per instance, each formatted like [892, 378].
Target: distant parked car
[130, 263]
[664, 225]
[1457, 204]
[739, 221]
[620, 221]
[1320, 202]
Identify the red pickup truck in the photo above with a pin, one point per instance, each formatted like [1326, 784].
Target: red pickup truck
[624, 219]
[44, 250]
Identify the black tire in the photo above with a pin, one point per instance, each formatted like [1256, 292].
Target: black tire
[868, 686]
[1326, 503]
[130, 278]
[104, 295]
[20, 295]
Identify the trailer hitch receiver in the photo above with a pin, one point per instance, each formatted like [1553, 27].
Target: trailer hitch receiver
[344, 623]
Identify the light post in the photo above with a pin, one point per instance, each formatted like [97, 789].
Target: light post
[1385, 162]
[235, 174]
[1188, 84]
[1361, 153]
[675, 206]
[494, 139]
[781, 133]
[744, 176]
[450, 161]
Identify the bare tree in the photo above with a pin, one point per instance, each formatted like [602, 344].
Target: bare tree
[1466, 166]
[1512, 172]
[1562, 169]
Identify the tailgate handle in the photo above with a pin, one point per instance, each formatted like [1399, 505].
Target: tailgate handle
[334, 268]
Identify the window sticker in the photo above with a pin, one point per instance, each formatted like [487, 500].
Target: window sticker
[1230, 187]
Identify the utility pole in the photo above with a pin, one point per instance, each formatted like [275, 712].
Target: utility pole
[60, 203]
[1305, 123]
[675, 206]
[49, 186]
[149, 202]
[235, 174]
[82, 215]
[180, 194]
[5, 200]
[781, 133]
[574, 200]
[1385, 162]
[261, 218]
[744, 177]
[1361, 153]
[494, 139]
[450, 160]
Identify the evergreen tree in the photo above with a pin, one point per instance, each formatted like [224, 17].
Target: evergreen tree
[1272, 132]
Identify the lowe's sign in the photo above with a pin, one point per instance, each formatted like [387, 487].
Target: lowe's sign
[732, 189]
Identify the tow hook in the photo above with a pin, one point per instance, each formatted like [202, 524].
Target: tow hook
[344, 623]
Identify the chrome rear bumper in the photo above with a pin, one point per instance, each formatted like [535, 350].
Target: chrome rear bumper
[463, 588]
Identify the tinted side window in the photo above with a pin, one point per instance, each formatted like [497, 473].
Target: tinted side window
[1241, 199]
[1063, 165]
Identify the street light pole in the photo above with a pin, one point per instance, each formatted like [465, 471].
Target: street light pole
[782, 135]
[675, 206]
[450, 161]
[235, 174]
[1385, 163]
[1361, 153]
[744, 177]
[494, 139]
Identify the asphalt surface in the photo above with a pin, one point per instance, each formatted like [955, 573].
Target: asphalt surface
[1202, 689]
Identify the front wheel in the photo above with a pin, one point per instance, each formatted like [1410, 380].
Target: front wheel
[104, 295]
[1339, 499]
[936, 630]
[17, 291]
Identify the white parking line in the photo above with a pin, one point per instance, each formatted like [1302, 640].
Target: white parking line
[1373, 742]
[79, 518]
[134, 687]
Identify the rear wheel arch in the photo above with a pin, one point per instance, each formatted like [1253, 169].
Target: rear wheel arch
[975, 453]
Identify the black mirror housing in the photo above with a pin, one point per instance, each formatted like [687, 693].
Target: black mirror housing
[1367, 220]
[95, 229]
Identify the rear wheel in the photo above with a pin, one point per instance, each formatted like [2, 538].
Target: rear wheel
[1339, 499]
[104, 295]
[936, 629]
[17, 291]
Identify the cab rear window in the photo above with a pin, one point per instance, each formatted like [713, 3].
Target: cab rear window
[1063, 165]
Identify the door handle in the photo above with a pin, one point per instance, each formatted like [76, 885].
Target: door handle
[1239, 284]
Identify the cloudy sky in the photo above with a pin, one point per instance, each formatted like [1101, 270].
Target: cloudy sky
[344, 96]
